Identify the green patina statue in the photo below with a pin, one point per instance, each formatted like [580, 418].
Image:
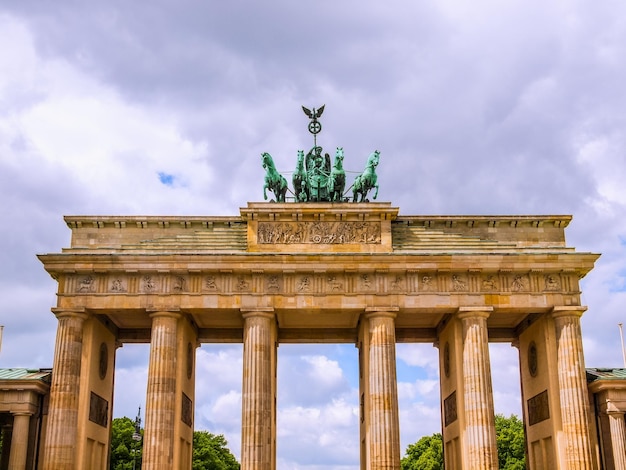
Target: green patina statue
[274, 181]
[366, 180]
[314, 179]
[337, 179]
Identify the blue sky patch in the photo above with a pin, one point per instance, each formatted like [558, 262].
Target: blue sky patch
[166, 179]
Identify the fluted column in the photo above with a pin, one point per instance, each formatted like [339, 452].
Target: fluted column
[573, 387]
[60, 446]
[19, 441]
[480, 430]
[257, 420]
[158, 449]
[384, 426]
[618, 439]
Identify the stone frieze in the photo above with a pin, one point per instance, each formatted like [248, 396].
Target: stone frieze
[327, 233]
[408, 282]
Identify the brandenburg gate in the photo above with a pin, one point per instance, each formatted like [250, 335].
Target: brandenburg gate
[320, 272]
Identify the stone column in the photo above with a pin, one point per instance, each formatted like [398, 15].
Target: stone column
[480, 431]
[60, 446]
[258, 417]
[618, 439]
[384, 426]
[573, 387]
[158, 449]
[19, 441]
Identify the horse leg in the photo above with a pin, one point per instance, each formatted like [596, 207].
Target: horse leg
[376, 193]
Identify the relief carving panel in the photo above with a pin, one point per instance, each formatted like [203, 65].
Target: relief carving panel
[538, 408]
[381, 281]
[449, 409]
[98, 410]
[428, 283]
[329, 233]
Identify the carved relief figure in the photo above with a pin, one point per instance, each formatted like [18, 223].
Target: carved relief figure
[552, 283]
[148, 285]
[458, 284]
[334, 284]
[304, 285]
[397, 283]
[520, 283]
[86, 284]
[179, 284]
[489, 283]
[366, 282]
[273, 283]
[427, 283]
[117, 285]
[210, 283]
[242, 284]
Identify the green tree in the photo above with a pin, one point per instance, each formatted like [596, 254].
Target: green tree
[210, 452]
[510, 442]
[123, 447]
[425, 454]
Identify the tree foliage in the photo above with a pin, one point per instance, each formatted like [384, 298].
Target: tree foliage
[510, 442]
[427, 453]
[123, 448]
[210, 451]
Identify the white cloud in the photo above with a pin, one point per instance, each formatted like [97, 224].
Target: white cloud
[419, 355]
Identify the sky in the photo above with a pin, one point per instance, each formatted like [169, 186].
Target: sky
[164, 107]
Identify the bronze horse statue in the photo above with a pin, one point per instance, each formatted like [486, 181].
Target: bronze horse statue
[274, 181]
[366, 180]
[337, 179]
[299, 180]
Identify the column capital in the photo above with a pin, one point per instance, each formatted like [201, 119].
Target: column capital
[79, 313]
[561, 311]
[22, 413]
[474, 312]
[266, 312]
[164, 313]
[390, 312]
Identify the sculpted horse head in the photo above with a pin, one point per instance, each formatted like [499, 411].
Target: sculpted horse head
[339, 158]
[367, 180]
[373, 159]
[274, 181]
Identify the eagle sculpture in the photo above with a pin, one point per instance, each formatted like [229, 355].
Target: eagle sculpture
[313, 114]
